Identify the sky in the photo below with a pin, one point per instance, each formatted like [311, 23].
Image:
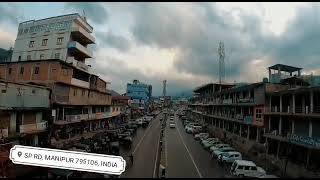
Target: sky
[153, 41]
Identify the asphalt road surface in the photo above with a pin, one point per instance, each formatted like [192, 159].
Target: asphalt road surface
[144, 150]
[186, 157]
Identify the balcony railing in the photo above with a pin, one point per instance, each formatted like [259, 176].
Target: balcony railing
[78, 64]
[245, 100]
[27, 128]
[85, 117]
[77, 46]
[84, 34]
[79, 82]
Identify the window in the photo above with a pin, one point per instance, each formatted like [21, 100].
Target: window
[10, 70]
[254, 168]
[258, 113]
[240, 167]
[21, 70]
[44, 42]
[83, 92]
[3, 91]
[41, 56]
[36, 70]
[19, 58]
[29, 57]
[59, 40]
[74, 92]
[247, 168]
[57, 55]
[33, 91]
[31, 44]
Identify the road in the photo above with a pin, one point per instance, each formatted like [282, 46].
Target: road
[186, 157]
[144, 150]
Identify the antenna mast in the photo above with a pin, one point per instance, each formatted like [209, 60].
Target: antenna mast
[221, 62]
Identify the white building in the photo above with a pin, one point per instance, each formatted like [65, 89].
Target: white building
[62, 37]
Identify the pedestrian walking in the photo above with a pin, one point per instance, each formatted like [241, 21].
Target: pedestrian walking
[131, 158]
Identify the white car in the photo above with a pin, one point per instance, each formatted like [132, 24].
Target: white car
[229, 157]
[218, 146]
[201, 135]
[209, 139]
[219, 151]
[244, 168]
[172, 125]
[209, 144]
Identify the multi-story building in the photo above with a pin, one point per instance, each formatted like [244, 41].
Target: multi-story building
[120, 108]
[278, 118]
[53, 52]
[140, 94]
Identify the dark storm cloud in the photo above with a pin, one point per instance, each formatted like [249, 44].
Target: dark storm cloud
[120, 74]
[114, 41]
[197, 38]
[245, 39]
[299, 45]
[9, 12]
[94, 11]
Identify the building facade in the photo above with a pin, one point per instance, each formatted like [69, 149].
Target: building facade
[24, 111]
[140, 94]
[53, 52]
[276, 121]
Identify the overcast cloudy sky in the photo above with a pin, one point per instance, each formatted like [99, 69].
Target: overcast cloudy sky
[179, 41]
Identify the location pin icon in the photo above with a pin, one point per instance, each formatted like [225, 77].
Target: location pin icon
[19, 153]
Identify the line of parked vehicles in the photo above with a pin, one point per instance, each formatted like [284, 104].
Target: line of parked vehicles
[222, 152]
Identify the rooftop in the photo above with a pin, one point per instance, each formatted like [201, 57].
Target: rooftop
[77, 14]
[285, 68]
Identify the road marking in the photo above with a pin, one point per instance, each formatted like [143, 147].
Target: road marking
[155, 162]
[143, 137]
[190, 155]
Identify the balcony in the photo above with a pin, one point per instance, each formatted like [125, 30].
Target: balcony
[76, 49]
[227, 101]
[83, 117]
[32, 128]
[245, 100]
[79, 82]
[82, 35]
[78, 64]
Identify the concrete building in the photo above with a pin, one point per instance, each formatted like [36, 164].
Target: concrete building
[62, 37]
[53, 52]
[24, 113]
[140, 94]
[5, 55]
[120, 108]
[275, 121]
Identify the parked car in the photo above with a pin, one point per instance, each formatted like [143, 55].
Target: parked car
[196, 129]
[209, 139]
[139, 122]
[229, 157]
[269, 176]
[209, 144]
[244, 168]
[145, 124]
[217, 152]
[201, 135]
[172, 125]
[218, 146]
